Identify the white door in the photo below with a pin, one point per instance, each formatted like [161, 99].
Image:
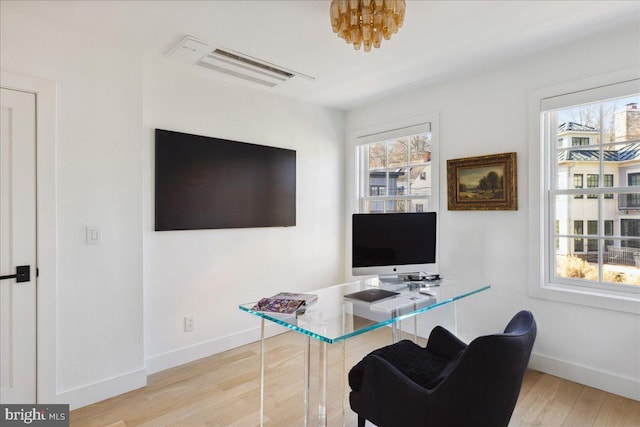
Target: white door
[17, 247]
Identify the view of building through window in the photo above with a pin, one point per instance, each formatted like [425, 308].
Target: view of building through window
[396, 175]
[595, 192]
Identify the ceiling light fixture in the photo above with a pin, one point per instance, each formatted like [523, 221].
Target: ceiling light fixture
[366, 22]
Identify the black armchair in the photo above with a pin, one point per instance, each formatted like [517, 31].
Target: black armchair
[447, 383]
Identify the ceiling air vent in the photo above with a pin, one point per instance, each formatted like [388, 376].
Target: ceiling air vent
[232, 63]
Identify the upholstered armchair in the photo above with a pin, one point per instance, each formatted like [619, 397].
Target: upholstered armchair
[446, 383]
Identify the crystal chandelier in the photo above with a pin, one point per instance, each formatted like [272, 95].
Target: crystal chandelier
[366, 22]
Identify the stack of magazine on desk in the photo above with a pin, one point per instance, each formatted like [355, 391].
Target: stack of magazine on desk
[285, 303]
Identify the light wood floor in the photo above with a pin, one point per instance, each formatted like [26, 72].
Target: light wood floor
[223, 390]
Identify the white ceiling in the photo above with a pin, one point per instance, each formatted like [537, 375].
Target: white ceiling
[440, 39]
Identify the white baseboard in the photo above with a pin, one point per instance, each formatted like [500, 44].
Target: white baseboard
[92, 393]
[86, 395]
[607, 381]
[197, 351]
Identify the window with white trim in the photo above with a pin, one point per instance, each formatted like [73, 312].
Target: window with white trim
[395, 171]
[605, 149]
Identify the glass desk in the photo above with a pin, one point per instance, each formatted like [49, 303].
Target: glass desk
[334, 319]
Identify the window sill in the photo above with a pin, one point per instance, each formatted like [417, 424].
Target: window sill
[618, 301]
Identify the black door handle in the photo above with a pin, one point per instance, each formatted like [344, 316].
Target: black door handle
[23, 274]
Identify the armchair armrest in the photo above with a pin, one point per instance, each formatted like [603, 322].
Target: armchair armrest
[444, 343]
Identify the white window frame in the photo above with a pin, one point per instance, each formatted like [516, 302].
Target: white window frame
[541, 285]
[391, 131]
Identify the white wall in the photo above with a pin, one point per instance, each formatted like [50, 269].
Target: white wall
[98, 143]
[103, 159]
[208, 273]
[487, 114]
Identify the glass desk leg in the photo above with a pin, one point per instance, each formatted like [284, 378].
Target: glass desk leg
[415, 325]
[261, 372]
[455, 318]
[307, 368]
[322, 386]
[394, 328]
[344, 380]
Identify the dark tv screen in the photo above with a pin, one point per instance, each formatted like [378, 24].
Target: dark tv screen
[393, 239]
[204, 183]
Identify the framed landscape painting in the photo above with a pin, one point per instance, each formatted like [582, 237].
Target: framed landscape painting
[483, 183]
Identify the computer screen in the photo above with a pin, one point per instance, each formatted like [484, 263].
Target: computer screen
[392, 243]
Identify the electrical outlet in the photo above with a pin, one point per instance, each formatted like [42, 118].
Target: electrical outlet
[189, 323]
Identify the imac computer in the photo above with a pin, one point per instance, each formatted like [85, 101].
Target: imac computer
[394, 246]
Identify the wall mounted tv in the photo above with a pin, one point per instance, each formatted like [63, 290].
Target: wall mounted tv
[204, 183]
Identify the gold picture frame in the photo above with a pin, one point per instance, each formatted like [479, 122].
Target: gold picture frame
[483, 183]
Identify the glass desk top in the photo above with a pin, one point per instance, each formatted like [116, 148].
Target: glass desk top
[334, 318]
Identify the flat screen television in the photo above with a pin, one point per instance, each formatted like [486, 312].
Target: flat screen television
[205, 183]
[393, 243]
